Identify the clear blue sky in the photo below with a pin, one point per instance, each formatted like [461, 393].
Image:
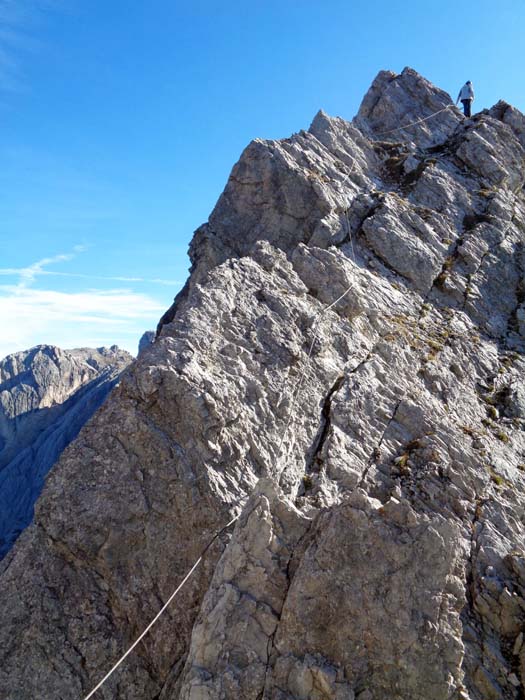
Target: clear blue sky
[121, 119]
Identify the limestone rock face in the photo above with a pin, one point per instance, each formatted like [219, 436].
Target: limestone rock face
[344, 369]
[46, 396]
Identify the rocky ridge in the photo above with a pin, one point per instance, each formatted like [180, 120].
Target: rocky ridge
[46, 396]
[382, 553]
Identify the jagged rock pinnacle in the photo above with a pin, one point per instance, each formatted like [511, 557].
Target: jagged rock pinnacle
[395, 100]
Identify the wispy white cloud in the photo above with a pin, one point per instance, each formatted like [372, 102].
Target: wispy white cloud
[28, 274]
[103, 306]
[39, 272]
[30, 315]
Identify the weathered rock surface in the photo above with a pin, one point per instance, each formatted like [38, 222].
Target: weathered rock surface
[46, 396]
[146, 339]
[395, 101]
[381, 552]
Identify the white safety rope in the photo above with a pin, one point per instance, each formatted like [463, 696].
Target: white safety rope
[419, 121]
[162, 610]
[295, 394]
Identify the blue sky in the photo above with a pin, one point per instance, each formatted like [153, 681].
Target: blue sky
[121, 119]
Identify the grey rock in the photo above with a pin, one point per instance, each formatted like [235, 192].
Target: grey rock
[363, 552]
[396, 100]
[511, 116]
[400, 237]
[494, 153]
[245, 601]
[374, 450]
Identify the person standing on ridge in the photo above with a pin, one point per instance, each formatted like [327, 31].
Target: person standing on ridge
[466, 95]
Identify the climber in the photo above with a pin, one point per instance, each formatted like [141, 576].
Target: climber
[466, 95]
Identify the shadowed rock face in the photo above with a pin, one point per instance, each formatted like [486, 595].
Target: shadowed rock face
[381, 554]
[146, 339]
[46, 396]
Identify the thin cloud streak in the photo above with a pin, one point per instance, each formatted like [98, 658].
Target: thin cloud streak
[98, 305]
[11, 271]
[27, 275]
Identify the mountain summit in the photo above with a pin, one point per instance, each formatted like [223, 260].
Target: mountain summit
[344, 369]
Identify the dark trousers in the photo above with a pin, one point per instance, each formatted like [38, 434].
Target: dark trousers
[466, 107]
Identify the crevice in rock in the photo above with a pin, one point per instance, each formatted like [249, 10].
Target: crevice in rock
[366, 359]
[412, 177]
[446, 268]
[513, 322]
[172, 680]
[314, 460]
[376, 452]
[393, 164]
[488, 252]
[378, 198]
[443, 148]
[399, 277]
[470, 221]
[470, 592]
[299, 547]
[469, 611]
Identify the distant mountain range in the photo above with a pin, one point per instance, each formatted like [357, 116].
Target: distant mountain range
[46, 396]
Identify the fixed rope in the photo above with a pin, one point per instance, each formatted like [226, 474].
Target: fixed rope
[419, 121]
[162, 610]
[232, 521]
[295, 393]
